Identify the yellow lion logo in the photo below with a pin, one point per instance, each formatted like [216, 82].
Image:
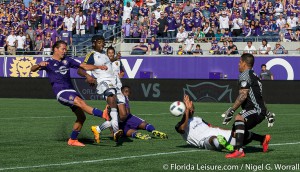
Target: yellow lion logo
[21, 67]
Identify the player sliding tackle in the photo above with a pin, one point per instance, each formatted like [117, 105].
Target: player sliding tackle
[131, 125]
[196, 132]
[58, 70]
[253, 106]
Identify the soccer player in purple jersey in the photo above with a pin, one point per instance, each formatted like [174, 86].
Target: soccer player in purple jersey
[58, 70]
[132, 124]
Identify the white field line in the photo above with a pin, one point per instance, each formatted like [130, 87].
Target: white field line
[121, 158]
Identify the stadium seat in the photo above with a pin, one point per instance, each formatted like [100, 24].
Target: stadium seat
[82, 39]
[275, 38]
[239, 39]
[75, 36]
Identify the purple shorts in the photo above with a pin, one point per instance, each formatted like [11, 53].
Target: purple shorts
[132, 122]
[66, 97]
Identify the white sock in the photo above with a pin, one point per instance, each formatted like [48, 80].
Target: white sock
[114, 119]
[104, 126]
[216, 143]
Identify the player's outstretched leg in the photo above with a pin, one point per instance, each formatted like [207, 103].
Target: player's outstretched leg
[73, 140]
[86, 108]
[97, 130]
[222, 141]
[151, 128]
[239, 128]
[265, 143]
[134, 134]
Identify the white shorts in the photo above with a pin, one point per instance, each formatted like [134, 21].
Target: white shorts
[104, 85]
[204, 143]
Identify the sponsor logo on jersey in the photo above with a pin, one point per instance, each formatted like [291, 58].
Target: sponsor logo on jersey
[20, 67]
[63, 70]
[65, 62]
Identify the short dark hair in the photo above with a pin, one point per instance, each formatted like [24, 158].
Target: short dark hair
[248, 58]
[57, 44]
[263, 65]
[97, 37]
[111, 48]
[124, 86]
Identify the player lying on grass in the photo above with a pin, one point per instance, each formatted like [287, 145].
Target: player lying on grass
[58, 70]
[131, 125]
[195, 131]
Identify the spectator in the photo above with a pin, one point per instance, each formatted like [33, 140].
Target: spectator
[162, 26]
[2, 43]
[140, 49]
[154, 28]
[69, 23]
[38, 45]
[153, 46]
[127, 11]
[135, 32]
[11, 42]
[265, 73]
[279, 49]
[224, 20]
[189, 44]
[126, 31]
[198, 50]
[98, 17]
[47, 44]
[188, 8]
[232, 49]
[250, 48]
[90, 22]
[215, 49]
[265, 48]
[150, 3]
[30, 32]
[210, 36]
[171, 27]
[28, 46]
[226, 36]
[237, 24]
[224, 48]
[181, 35]
[144, 11]
[180, 50]
[66, 36]
[218, 35]
[167, 49]
[292, 21]
[105, 21]
[278, 8]
[280, 21]
[289, 36]
[20, 43]
[80, 23]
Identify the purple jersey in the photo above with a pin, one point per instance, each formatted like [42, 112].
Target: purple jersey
[57, 21]
[22, 14]
[153, 29]
[90, 19]
[59, 73]
[197, 22]
[113, 19]
[168, 9]
[230, 4]
[287, 36]
[188, 24]
[171, 23]
[98, 17]
[54, 35]
[153, 45]
[145, 11]
[65, 36]
[250, 14]
[135, 31]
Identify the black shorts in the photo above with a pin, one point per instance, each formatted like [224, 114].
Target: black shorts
[252, 118]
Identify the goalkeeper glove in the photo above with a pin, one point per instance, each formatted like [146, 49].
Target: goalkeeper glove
[228, 115]
[271, 119]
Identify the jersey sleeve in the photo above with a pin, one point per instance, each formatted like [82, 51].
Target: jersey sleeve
[122, 70]
[244, 80]
[89, 58]
[74, 63]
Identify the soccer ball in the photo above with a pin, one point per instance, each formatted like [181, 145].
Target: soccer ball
[177, 108]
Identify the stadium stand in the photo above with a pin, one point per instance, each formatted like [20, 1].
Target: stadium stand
[246, 21]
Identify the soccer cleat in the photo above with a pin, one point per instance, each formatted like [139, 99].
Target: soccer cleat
[142, 136]
[96, 134]
[75, 143]
[265, 144]
[160, 134]
[118, 135]
[222, 141]
[106, 112]
[236, 154]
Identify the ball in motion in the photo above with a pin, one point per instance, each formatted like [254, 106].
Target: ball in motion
[177, 108]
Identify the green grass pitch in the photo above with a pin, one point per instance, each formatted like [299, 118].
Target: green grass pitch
[33, 135]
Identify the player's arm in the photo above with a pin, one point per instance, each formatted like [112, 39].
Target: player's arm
[240, 99]
[180, 127]
[39, 66]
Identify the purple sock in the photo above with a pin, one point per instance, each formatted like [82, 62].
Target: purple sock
[150, 127]
[97, 112]
[74, 134]
[133, 135]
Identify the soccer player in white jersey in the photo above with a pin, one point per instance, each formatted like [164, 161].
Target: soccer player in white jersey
[106, 83]
[196, 132]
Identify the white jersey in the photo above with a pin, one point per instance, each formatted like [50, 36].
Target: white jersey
[99, 59]
[116, 67]
[198, 131]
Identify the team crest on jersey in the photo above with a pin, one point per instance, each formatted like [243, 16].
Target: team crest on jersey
[209, 92]
[71, 98]
[65, 62]
[117, 63]
[20, 67]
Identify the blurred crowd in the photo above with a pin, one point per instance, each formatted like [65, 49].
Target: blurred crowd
[37, 25]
